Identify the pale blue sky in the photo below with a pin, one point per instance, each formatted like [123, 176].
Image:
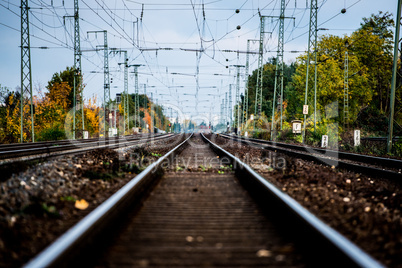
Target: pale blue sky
[176, 30]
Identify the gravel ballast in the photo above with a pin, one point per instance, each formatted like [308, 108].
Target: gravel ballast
[365, 210]
[42, 202]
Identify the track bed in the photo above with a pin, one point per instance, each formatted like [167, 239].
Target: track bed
[200, 218]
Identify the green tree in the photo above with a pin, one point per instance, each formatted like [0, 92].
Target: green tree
[330, 80]
[268, 85]
[66, 76]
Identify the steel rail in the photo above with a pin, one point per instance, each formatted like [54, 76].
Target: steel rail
[335, 240]
[332, 158]
[59, 252]
[74, 147]
[382, 139]
[15, 146]
[382, 161]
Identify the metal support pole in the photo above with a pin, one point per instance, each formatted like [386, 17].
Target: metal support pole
[114, 118]
[393, 82]
[151, 127]
[226, 109]
[26, 75]
[315, 77]
[145, 102]
[126, 98]
[230, 106]
[222, 112]
[346, 92]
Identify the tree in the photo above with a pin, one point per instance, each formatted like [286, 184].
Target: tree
[268, 85]
[330, 81]
[11, 124]
[92, 117]
[67, 77]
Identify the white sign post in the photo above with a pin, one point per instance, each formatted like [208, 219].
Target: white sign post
[86, 135]
[305, 109]
[357, 137]
[296, 127]
[324, 141]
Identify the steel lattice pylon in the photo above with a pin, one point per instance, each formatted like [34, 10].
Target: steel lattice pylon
[26, 76]
[77, 70]
[77, 67]
[277, 102]
[312, 47]
[125, 99]
[126, 102]
[136, 99]
[106, 81]
[278, 88]
[258, 93]
[238, 118]
[245, 105]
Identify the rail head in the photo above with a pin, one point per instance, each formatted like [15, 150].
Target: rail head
[333, 158]
[76, 148]
[344, 245]
[59, 250]
[385, 161]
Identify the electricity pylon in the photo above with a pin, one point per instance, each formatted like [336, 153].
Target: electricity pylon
[137, 106]
[26, 75]
[238, 122]
[77, 69]
[258, 93]
[312, 47]
[126, 102]
[277, 102]
[106, 81]
[245, 106]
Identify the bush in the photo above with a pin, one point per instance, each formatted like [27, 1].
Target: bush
[51, 134]
[397, 148]
[372, 120]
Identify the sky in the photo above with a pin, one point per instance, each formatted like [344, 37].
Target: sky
[188, 50]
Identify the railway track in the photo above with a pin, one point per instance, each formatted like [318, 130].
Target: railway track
[379, 167]
[11, 152]
[208, 209]
[381, 139]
